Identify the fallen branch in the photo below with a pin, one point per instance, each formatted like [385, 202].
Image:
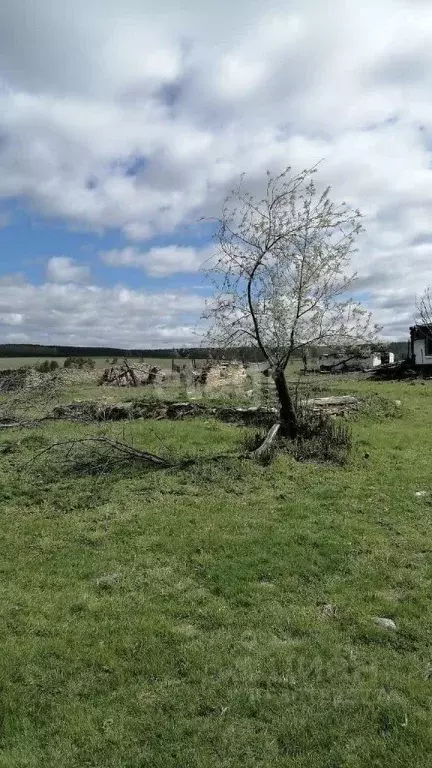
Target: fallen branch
[120, 454]
[131, 372]
[24, 424]
[160, 409]
[264, 451]
[122, 448]
[164, 409]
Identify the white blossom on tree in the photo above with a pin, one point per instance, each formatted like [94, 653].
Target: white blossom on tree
[281, 276]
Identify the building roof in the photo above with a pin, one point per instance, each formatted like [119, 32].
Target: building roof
[420, 332]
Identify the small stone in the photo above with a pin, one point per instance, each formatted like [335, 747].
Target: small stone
[384, 623]
[428, 672]
[398, 403]
[108, 580]
[419, 494]
[329, 611]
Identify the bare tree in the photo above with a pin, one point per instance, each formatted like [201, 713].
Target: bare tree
[424, 310]
[280, 277]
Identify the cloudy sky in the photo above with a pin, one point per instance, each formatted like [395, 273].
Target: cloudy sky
[123, 122]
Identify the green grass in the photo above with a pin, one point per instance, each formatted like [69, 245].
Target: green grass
[10, 363]
[174, 619]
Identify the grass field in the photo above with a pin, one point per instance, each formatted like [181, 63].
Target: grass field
[10, 363]
[176, 619]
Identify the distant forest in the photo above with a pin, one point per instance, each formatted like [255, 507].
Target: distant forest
[400, 349]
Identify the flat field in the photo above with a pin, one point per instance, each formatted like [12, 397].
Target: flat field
[220, 614]
[10, 363]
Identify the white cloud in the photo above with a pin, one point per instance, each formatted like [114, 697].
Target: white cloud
[11, 318]
[62, 269]
[88, 314]
[160, 262]
[198, 100]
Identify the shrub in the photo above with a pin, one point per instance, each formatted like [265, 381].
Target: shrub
[79, 363]
[321, 437]
[48, 366]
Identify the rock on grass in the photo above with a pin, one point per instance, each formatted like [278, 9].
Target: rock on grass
[384, 623]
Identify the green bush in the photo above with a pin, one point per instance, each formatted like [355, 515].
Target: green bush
[79, 363]
[48, 366]
[321, 437]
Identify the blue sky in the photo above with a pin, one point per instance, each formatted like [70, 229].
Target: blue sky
[29, 242]
[123, 123]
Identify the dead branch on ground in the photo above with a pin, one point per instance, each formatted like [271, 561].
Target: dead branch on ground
[116, 454]
[126, 375]
[113, 452]
[265, 450]
[122, 449]
[26, 396]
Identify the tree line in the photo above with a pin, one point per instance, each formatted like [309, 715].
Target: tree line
[246, 353]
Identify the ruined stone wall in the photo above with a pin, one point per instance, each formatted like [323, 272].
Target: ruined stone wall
[224, 376]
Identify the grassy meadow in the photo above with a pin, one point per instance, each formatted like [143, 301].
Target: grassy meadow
[221, 614]
[11, 363]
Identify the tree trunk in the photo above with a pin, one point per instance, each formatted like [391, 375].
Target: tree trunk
[288, 415]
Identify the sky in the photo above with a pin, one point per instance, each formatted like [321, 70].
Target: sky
[124, 122]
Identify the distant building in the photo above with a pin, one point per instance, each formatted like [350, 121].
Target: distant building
[420, 346]
[336, 362]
